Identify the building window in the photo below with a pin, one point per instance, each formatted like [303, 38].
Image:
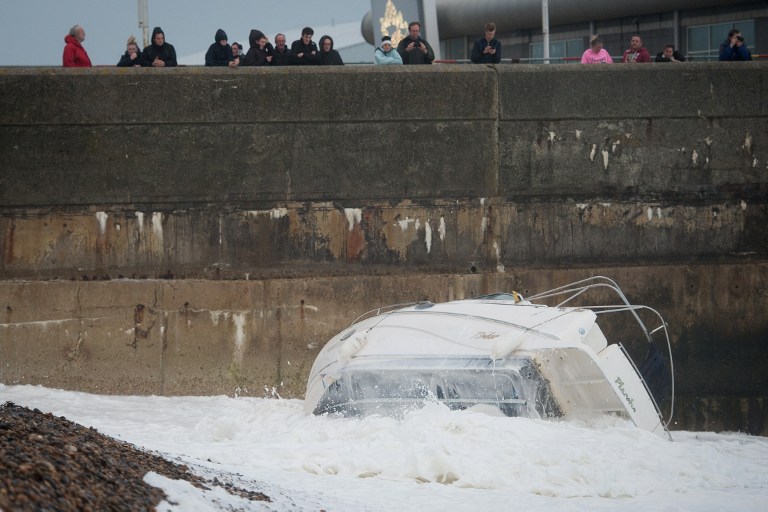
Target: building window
[704, 40]
[568, 51]
[455, 48]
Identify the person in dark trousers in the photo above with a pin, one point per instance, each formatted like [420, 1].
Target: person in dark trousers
[413, 49]
[487, 50]
[304, 51]
[159, 54]
[220, 53]
[329, 56]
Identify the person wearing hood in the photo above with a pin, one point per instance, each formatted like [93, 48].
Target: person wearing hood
[304, 51]
[260, 52]
[159, 54]
[75, 55]
[636, 52]
[132, 56]
[329, 56]
[220, 53]
[386, 53]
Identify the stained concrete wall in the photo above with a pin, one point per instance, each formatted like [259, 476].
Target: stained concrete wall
[234, 220]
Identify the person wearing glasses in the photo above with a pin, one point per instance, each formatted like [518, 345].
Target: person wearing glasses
[329, 56]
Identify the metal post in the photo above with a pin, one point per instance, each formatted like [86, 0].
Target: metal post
[143, 21]
[545, 28]
[430, 22]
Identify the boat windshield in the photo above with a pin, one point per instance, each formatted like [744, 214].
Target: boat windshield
[517, 388]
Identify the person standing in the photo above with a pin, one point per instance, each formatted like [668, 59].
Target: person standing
[413, 49]
[596, 54]
[281, 54]
[329, 56]
[304, 51]
[260, 51]
[132, 55]
[669, 54]
[487, 50]
[237, 54]
[75, 55]
[636, 52]
[386, 54]
[220, 53]
[159, 54]
[735, 49]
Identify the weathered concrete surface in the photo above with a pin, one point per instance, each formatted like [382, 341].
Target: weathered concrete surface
[174, 337]
[277, 204]
[255, 136]
[477, 235]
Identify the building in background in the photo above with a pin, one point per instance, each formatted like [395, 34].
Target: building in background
[695, 27]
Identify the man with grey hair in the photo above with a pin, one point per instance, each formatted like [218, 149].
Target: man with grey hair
[75, 55]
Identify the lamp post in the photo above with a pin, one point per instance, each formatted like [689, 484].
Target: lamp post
[143, 21]
[545, 28]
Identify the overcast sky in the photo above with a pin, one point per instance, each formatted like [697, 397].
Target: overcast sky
[35, 29]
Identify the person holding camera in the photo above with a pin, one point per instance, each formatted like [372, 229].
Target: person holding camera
[734, 48]
[413, 49]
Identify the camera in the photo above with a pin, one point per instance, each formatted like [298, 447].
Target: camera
[740, 39]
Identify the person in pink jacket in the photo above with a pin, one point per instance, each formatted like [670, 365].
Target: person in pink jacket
[596, 54]
[75, 55]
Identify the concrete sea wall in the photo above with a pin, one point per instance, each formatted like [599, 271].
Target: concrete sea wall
[199, 231]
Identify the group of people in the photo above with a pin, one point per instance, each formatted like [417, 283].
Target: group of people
[261, 52]
[732, 49]
[412, 49]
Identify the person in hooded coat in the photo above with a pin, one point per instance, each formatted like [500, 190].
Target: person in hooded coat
[220, 53]
[329, 56]
[159, 53]
[260, 51]
[75, 55]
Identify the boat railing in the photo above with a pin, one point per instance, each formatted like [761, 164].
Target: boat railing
[578, 288]
[384, 309]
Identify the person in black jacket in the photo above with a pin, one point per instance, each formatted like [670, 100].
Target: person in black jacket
[132, 55]
[487, 50]
[281, 55]
[329, 56]
[413, 49]
[669, 54]
[159, 54]
[220, 53]
[304, 51]
[260, 52]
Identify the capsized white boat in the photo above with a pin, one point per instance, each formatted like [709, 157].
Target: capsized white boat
[520, 355]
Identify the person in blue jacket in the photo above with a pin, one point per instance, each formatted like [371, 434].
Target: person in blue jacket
[735, 49]
[386, 53]
[487, 50]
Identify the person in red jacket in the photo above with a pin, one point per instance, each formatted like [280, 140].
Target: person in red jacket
[75, 55]
[636, 52]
